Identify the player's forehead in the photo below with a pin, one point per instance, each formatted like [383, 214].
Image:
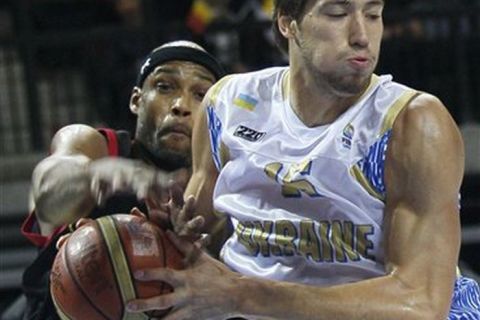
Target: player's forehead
[182, 68]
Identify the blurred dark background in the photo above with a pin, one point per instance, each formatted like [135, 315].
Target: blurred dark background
[75, 61]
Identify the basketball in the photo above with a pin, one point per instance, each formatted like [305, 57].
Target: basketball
[92, 275]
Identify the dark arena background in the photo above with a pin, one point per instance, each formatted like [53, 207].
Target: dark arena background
[75, 61]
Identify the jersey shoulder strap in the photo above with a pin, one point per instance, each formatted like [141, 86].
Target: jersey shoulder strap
[118, 142]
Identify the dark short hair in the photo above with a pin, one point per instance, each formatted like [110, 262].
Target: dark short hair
[291, 8]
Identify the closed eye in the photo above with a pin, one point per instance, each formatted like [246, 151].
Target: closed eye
[337, 15]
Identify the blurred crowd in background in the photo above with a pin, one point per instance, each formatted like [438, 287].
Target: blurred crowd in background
[107, 39]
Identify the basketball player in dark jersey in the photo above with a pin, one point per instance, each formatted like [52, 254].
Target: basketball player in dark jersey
[92, 172]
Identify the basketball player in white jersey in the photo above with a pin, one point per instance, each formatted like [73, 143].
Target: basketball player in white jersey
[341, 186]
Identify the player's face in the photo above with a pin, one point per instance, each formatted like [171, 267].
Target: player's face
[340, 41]
[170, 98]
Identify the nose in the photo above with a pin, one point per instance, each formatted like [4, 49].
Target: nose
[181, 106]
[358, 31]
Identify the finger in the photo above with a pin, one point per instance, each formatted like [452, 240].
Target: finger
[162, 302]
[142, 192]
[104, 191]
[81, 222]
[152, 202]
[173, 277]
[176, 194]
[185, 216]
[136, 212]
[188, 210]
[160, 218]
[190, 204]
[117, 182]
[192, 227]
[95, 190]
[162, 179]
[62, 240]
[156, 195]
[189, 250]
[204, 241]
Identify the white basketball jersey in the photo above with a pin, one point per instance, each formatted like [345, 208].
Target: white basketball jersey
[306, 203]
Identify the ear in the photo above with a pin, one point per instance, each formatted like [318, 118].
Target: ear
[287, 26]
[135, 99]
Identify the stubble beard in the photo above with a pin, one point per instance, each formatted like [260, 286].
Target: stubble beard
[339, 82]
[172, 159]
[168, 158]
[344, 86]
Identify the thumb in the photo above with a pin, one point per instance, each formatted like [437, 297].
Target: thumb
[62, 240]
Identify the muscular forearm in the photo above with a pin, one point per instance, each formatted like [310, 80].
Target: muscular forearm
[379, 298]
[61, 190]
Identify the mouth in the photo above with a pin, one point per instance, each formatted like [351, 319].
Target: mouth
[359, 62]
[176, 130]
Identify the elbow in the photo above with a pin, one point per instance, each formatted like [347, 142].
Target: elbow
[424, 302]
[427, 311]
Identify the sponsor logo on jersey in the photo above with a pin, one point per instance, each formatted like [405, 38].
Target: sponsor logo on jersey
[248, 133]
[347, 136]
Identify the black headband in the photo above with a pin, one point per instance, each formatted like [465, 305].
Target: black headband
[182, 53]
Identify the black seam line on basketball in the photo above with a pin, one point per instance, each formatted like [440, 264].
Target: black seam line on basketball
[105, 247]
[132, 279]
[61, 313]
[74, 277]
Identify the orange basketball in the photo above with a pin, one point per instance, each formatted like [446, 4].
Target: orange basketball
[92, 275]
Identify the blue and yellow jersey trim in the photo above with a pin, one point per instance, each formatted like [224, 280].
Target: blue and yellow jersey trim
[220, 153]
[396, 108]
[369, 171]
[215, 90]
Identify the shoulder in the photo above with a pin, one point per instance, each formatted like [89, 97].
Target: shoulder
[427, 117]
[250, 83]
[79, 138]
[425, 143]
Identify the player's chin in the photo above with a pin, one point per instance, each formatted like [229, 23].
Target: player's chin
[177, 145]
[176, 142]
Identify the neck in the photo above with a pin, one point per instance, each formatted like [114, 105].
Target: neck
[313, 100]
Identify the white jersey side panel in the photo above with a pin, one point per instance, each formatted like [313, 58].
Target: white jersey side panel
[306, 204]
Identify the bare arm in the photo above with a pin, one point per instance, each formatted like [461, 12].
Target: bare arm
[204, 172]
[424, 169]
[202, 182]
[61, 182]
[78, 175]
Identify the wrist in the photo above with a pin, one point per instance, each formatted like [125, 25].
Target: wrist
[249, 299]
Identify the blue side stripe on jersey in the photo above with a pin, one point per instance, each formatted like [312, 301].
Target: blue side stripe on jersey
[215, 130]
[465, 300]
[373, 165]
